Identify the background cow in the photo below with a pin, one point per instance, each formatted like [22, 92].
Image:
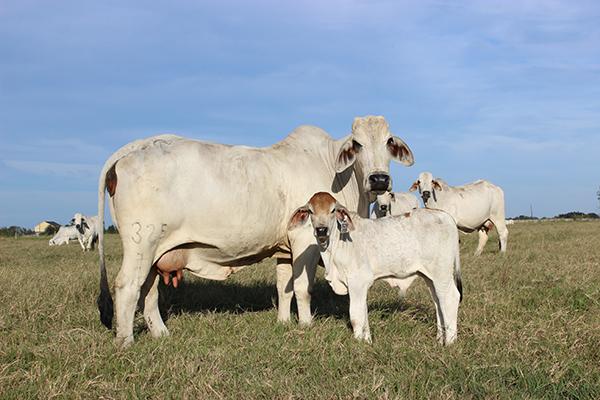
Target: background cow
[87, 230]
[64, 235]
[390, 203]
[476, 206]
[212, 208]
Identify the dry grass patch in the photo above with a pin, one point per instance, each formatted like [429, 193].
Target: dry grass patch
[529, 327]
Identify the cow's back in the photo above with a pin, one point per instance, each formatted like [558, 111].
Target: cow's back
[235, 200]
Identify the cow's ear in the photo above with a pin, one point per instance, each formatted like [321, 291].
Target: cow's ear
[436, 185]
[400, 151]
[347, 155]
[414, 186]
[343, 217]
[299, 218]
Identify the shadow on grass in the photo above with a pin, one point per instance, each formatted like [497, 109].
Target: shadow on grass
[200, 296]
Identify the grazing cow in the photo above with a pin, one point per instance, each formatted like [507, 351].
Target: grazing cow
[64, 235]
[87, 230]
[477, 206]
[212, 209]
[390, 203]
[357, 251]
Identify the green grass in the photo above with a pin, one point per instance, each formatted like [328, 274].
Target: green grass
[529, 328]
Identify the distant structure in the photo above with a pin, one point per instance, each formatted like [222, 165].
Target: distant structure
[46, 228]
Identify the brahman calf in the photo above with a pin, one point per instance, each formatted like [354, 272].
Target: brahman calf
[477, 206]
[390, 203]
[357, 251]
[87, 230]
[64, 235]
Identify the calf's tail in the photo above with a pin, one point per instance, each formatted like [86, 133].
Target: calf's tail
[104, 301]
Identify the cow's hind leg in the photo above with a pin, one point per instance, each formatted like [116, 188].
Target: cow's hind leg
[502, 230]
[447, 298]
[132, 275]
[149, 297]
[483, 238]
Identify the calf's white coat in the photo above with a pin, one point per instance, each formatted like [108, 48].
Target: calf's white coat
[358, 251]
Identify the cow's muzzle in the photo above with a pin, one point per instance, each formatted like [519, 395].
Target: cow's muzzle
[79, 228]
[379, 183]
[425, 196]
[383, 208]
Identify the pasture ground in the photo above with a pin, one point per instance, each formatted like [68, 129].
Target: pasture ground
[529, 328]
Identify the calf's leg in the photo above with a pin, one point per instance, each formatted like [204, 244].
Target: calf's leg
[285, 289]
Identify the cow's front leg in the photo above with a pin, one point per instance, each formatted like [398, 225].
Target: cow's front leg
[358, 288]
[285, 289]
[305, 256]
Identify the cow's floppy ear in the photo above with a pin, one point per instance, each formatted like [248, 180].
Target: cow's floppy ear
[347, 155]
[299, 218]
[400, 151]
[414, 186]
[436, 185]
[343, 217]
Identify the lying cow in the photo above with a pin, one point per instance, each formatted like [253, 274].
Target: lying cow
[357, 251]
[211, 209]
[64, 235]
[390, 203]
[87, 230]
[477, 206]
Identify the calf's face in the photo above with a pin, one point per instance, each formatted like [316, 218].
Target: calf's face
[371, 146]
[326, 214]
[384, 202]
[427, 186]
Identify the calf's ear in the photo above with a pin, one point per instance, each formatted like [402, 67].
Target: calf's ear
[414, 186]
[299, 218]
[400, 151]
[347, 155]
[436, 185]
[343, 217]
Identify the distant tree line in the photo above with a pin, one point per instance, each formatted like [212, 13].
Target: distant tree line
[569, 215]
[12, 231]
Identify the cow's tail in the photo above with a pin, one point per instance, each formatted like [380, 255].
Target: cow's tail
[457, 275]
[104, 301]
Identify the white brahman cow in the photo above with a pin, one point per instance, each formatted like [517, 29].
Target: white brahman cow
[87, 230]
[212, 209]
[476, 206]
[390, 203]
[64, 235]
[357, 251]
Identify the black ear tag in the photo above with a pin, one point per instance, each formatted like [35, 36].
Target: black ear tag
[344, 226]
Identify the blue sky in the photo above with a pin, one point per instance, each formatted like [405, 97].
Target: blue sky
[507, 91]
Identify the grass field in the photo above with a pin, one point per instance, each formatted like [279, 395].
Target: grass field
[529, 328]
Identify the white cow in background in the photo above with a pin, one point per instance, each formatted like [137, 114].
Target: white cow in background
[64, 235]
[390, 203]
[476, 206]
[211, 208]
[357, 251]
[87, 230]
